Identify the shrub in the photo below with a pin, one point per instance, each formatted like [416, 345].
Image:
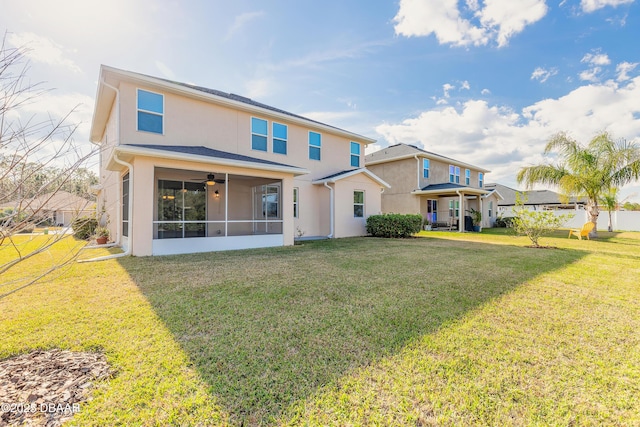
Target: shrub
[504, 222]
[394, 225]
[84, 227]
[535, 224]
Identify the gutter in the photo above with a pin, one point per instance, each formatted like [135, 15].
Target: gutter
[415, 156]
[331, 213]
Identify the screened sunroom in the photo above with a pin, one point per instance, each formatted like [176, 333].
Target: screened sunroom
[196, 205]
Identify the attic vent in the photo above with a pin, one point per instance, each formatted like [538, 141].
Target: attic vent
[239, 97]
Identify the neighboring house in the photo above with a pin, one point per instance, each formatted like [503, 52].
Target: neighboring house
[533, 200]
[189, 169]
[441, 189]
[55, 208]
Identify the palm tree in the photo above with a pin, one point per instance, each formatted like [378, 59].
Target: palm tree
[610, 201]
[586, 170]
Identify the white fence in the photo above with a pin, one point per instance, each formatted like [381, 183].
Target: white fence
[621, 220]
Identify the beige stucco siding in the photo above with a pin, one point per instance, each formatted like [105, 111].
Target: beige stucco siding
[193, 122]
[402, 175]
[346, 224]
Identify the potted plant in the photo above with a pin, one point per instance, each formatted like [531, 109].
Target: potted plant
[426, 225]
[102, 235]
[476, 218]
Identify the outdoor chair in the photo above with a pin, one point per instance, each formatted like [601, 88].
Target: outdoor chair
[582, 232]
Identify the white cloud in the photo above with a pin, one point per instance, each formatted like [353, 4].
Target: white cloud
[504, 140]
[485, 92]
[542, 74]
[42, 49]
[590, 75]
[495, 20]
[259, 87]
[165, 70]
[446, 88]
[465, 85]
[623, 69]
[589, 6]
[241, 21]
[596, 58]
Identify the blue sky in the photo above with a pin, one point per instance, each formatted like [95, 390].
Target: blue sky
[486, 82]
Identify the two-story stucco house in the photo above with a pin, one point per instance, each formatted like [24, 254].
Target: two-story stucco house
[441, 189]
[189, 169]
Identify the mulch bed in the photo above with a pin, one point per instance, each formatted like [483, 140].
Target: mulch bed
[46, 388]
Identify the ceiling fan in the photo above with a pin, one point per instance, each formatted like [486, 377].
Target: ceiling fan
[211, 180]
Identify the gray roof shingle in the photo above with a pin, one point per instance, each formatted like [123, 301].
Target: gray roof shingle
[207, 152]
[534, 197]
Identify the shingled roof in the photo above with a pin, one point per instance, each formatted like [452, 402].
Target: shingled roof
[533, 197]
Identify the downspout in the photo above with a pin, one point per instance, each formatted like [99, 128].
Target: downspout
[129, 246]
[461, 201]
[330, 236]
[415, 156]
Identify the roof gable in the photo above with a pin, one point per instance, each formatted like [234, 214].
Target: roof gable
[405, 151]
[345, 174]
[110, 79]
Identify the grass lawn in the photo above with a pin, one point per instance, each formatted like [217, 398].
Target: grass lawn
[446, 329]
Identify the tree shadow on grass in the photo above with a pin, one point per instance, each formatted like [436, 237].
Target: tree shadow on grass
[266, 328]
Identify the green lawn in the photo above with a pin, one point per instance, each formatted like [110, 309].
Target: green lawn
[446, 329]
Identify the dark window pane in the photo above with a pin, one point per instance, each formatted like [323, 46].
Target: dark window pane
[279, 146]
[149, 122]
[314, 153]
[259, 142]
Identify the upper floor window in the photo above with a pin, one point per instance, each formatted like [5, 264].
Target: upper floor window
[467, 177]
[358, 204]
[355, 155]
[480, 179]
[150, 111]
[279, 138]
[258, 134]
[454, 174]
[425, 168]
[315, 142]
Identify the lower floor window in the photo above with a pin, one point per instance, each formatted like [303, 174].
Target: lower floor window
[454, 208]
[358, 204]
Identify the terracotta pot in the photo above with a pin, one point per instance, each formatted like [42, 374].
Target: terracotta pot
[101, 240]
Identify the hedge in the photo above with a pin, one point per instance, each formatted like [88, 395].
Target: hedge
[84, 227]
[394, 225]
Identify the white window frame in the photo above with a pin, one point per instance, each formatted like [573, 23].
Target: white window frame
[319, 147]
[480, 179]
[426, 170]
[296, 202]
[149, 112]
[266, 148]
[467, 177]
[357, 155]
[359, 204]
[455, 177]
[274, 138]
